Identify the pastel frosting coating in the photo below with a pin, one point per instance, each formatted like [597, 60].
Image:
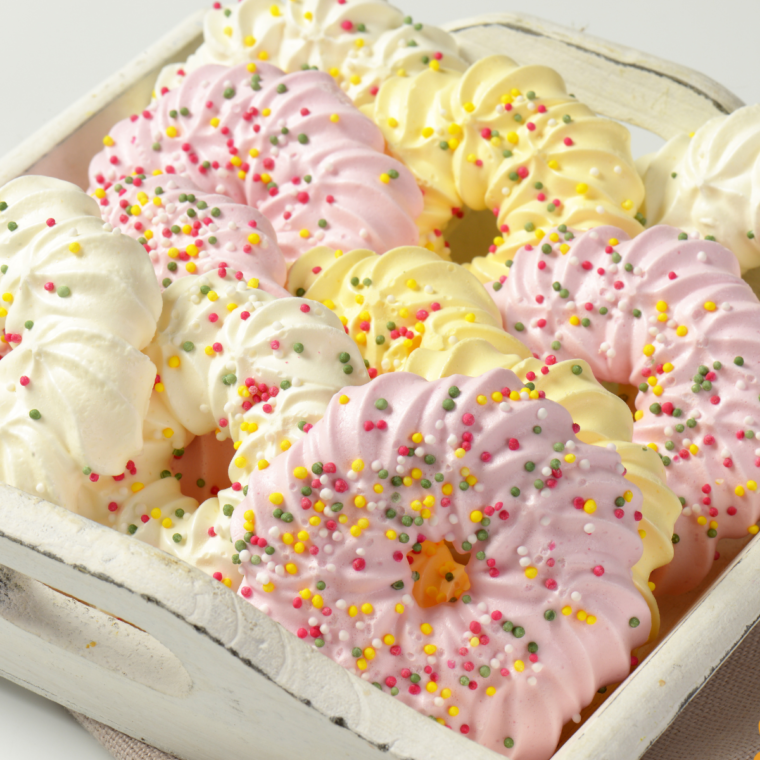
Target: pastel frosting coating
[667, 313]
[188, 231]
[709, 183]
[360, 43]
[78, 303]
[390, 539]
[292, 146]
[58, 260]
[395, 304]
[599, 418]
[237, 362]
[509, 139]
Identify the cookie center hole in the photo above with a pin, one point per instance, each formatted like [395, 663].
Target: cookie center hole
[203, 466]
[440, 574]
[471, 235]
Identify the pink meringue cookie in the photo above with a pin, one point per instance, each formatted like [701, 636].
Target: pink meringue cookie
[291, 145]
[186, 230]
[463, 552]
[669, 314]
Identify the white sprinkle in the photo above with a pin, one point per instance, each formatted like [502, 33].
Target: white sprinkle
[584, 464]
[545, 520]
[343, 636]
[589, 528]
[702, 256]
[542, 413]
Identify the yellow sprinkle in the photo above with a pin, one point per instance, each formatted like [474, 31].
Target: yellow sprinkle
[253, 283]
[682, 330]
[581, 188]
[155, 513]
[276, 498]
[567, 610]
[317, 601]
[75, 247]
[627, 204]
[108, 141]
[569, 458]
[497, 397]
[753, 529]
[174, 362]
[589, 507]
[661, 306]
[648, 349]
[710, 306]
[553, 165]
[581, 615]
[275, 10]
[469, 107]
[357, 465]
[739, 491]
[262, 464]
[291, 569]
[361, 664]
[171, 132]
[249, 41]
[367, 608]
[430, 649]
[519, 666]
[469, 317]
[642, 534]
[399, 608]
[344, 399]
[453, 711]
[393, 123]
[752, 485]
[531, 572]
[426, 628]
[268, 587]
[334, 118]
[391, 534]
[385, 178]
[360, 501]
[301, 473]
[167, 523]
[574, 321]
[590, 620]
[459, 453]
[474, 642]
[637, 415]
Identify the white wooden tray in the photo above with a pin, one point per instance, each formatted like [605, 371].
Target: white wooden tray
[205, 675]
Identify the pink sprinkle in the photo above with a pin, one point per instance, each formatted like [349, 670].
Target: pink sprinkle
[672, 275]
[24, 380]
[531, 126]
[513, 444]
[50, 222]
[715, 400]
[211, 531]
[598, 571]
[274, 345]
[369, 425]
[340, 485]
[305, 308]
[619, 513]
[49, 286]
[359, 564]
[485, 457]
[246, 591]
[396, 650]
[468, 419]
[568, 141]
[731, 511]
[113, 506]
[302, 633]
[475, 628]
[217, 576]
[347, 25]
[244, 315]
[223, 422]
[638, 516]
[541, 264]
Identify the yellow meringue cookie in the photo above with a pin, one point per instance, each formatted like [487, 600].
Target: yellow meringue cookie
[408, 298]
[508, 139]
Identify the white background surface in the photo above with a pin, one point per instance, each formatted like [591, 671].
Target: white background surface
[52, 52]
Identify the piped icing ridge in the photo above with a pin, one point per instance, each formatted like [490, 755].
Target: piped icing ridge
[292, 146]
[187, 231]
[79, 301]
[668, 314]
[510, 139]
[545, 610]
[235, 361]
[406, 300]
[709, 183]
[360, 43]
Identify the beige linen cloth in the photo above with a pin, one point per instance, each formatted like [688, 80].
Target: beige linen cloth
[720, 722]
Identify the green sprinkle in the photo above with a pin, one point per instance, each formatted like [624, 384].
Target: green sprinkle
[35, 414]
[188, 346]
[298, 348]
